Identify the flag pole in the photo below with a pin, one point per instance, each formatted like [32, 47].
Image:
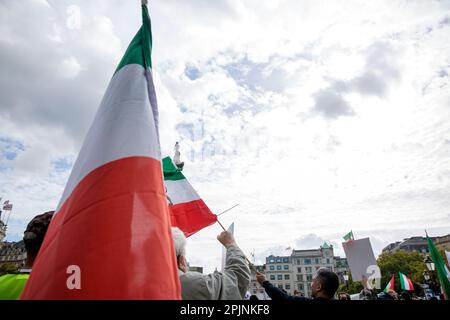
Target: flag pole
[229, 209]
[248, 261]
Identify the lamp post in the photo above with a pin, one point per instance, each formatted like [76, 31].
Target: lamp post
[431, 267]
[345, 275]
[429, 263]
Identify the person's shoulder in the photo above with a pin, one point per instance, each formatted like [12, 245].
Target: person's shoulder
[196, 276]
[198, 286]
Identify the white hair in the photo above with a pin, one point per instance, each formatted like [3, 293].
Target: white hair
[179, 242]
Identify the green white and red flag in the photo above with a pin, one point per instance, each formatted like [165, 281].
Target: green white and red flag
[349, 236]
[112, 223]
[188, 211]
[405, 282]
[440, 268]
[390, 285]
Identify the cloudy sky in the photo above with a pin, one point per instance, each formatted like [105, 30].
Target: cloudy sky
[318, 117]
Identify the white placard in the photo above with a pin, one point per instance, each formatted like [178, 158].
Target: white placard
[360, 258]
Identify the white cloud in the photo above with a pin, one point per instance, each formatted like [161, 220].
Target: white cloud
[73, 17]
[70, 67]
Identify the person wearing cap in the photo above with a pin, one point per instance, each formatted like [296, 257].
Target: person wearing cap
[12, 285]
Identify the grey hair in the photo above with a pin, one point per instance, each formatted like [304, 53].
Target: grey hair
[179, 242]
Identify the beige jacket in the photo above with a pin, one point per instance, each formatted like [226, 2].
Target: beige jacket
[231, 284]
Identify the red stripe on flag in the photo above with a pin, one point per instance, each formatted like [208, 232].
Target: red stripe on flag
[410, 284]
[115, 227]
[191, 216]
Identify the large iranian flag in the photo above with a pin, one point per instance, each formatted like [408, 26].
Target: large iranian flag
[405, 282]
[187, 210]
[110, 237]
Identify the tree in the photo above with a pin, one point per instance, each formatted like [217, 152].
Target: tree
[353, 287]
[7, 268]
[409, 263]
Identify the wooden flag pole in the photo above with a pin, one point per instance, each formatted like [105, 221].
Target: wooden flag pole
[228, 209]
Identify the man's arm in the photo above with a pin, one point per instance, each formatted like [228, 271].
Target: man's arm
[236, 272]
[274, 292]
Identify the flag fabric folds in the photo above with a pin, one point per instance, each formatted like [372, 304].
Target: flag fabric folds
[187, 210]
[405, 282]
[440, 267]
[390, 285]
[112, 226]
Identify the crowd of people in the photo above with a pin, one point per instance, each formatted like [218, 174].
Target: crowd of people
[230, 284]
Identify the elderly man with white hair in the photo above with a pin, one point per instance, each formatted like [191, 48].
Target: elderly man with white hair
[231, 284]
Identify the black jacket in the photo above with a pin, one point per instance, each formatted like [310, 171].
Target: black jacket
[277, 294]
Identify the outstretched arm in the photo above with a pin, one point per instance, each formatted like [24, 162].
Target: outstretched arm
[274, 292]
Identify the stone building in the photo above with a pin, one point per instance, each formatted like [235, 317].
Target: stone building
[14, 253]
[418, 244]
[2, 232]
[296, 271]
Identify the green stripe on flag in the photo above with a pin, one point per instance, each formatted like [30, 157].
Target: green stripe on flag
[402, 280]
[440, 267]
[170, 171]
[140, 48]
[348, 236]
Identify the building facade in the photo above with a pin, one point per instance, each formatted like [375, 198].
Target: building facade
[255, 288]
[418, 244]
[13, 253]
[2, 232]
[295, 272]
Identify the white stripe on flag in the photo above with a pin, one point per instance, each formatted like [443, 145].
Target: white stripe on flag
[124, 113]
[181, 191]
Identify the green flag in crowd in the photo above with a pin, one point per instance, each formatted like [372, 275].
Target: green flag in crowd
[440, 268]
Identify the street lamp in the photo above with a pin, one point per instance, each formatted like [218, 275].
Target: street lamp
[429, 263]
[426, 275]
[345, 275]
[431, 267]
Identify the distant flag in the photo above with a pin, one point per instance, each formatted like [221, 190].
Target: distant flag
[224, 250]
[440, 267]
[187, 210]
[405, 282]
[349, 236]
[110, 237]
[390, 285]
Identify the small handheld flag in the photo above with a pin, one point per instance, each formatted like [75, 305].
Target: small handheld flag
[390, 285]
[349, 236]
[405, 282]
[188, 211]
